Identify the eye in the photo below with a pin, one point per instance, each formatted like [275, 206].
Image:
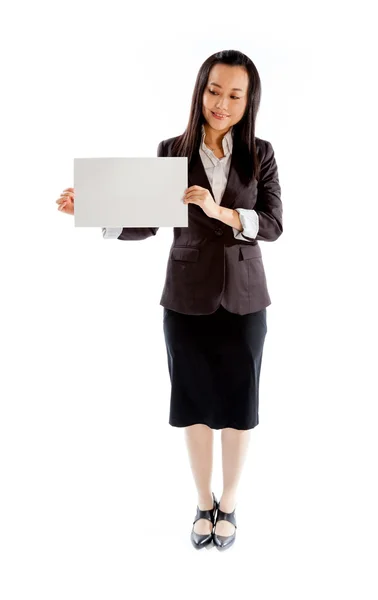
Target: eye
[215, 94]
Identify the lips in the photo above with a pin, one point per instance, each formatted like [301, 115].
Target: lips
[220, 114]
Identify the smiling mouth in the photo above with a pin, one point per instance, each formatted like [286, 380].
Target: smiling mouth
[219, 114]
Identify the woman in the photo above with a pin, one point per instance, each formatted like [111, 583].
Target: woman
[215, 293]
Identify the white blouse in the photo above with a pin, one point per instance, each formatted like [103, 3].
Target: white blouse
[217, 170]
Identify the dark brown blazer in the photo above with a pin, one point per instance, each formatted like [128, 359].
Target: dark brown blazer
[207, 266]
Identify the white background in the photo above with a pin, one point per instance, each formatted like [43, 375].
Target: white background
[97, 498]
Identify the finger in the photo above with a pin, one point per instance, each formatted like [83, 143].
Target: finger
[68, 190]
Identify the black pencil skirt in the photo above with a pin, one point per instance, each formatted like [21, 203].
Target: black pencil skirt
[214, 364]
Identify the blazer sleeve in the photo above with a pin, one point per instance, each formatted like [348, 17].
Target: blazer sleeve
[268, 204]
[132, 233]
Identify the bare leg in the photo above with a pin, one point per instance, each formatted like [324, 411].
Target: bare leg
[234, 451]
[199, 440]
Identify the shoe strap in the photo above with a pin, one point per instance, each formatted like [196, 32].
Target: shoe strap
[204, 514]
[223, 516]
[208, 514]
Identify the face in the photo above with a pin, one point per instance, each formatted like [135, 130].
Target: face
[220, 97]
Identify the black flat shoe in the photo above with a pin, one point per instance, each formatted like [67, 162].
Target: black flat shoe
[222, 542]
[200, 540]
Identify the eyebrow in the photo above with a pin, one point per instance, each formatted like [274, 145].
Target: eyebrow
[217, 84]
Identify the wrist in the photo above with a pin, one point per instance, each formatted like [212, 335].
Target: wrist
[219, 212]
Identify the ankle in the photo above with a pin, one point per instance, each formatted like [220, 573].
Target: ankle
[227, 502]
[205, 501]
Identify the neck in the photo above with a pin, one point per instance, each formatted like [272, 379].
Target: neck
[214, 137]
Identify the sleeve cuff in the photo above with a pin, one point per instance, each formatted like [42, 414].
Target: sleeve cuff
[111, 233]
[250, 222]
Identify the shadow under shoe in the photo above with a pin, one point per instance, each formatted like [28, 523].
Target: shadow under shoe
[222, 542]
[201, 540]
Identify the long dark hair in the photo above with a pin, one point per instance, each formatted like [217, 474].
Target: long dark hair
[187, 144]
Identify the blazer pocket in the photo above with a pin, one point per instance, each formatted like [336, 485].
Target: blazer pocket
[185, 253]
[252, 251]
[255, 266]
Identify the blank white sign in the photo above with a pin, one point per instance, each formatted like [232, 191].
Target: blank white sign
[130, 192]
